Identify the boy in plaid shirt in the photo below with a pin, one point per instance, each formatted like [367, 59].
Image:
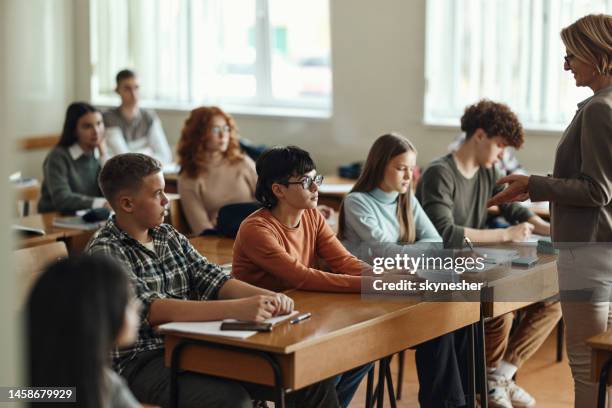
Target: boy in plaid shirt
[175, 283]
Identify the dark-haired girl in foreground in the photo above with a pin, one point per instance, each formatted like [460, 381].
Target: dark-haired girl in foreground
[78, 311]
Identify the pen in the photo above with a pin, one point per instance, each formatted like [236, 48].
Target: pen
[469, 244]
[300, 318]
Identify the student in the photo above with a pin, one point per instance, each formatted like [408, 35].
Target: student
[175, 283]
[130, 128]
[277, 246]
[214, 172]
[453, 192]
[70, 170]
[381, 209]
[78, 311]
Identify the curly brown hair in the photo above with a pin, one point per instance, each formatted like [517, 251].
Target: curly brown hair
[496, 119]
[192, 144]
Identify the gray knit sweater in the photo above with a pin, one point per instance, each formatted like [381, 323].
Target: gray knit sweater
[69, 184]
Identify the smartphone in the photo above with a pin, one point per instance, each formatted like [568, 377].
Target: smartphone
[527, 261]
[247, 326]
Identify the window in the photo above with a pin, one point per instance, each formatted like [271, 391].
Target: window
[508, 51]
[247, 53]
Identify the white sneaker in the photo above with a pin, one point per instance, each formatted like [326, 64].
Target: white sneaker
[518, 396]
[498, 394]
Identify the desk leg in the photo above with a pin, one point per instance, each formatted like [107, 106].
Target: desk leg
[603, 384]
[381, 384]
[389, 379]
[481, 358]
[471, 368]
[400, 373]
[279, 389]
[370, 386]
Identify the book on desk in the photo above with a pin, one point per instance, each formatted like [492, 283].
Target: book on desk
[27, 231]
[77, 222]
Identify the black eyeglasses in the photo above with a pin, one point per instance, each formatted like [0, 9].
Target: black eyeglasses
[218, 129]
[307, 181]
[568, 58]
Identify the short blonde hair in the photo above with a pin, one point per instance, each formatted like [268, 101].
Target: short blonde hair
[590, 39]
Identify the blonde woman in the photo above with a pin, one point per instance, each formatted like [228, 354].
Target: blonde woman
[580, 192]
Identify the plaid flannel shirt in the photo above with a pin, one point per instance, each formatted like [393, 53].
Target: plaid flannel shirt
[174, 271]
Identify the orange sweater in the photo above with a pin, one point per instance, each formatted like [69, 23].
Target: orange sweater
[271, 255]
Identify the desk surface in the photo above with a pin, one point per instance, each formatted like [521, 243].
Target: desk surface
[343, 332]
[217, 250]
[513, 287]
[45, 222]
[507, 289]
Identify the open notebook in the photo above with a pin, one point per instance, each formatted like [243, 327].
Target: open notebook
[214, 328]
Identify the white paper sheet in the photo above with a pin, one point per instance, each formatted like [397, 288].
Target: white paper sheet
[214, 328]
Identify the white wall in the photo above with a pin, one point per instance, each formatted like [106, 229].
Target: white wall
[37, 63]
[378, 67]
[40, 38]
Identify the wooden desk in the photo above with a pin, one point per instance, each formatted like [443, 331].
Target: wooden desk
[514, 287]
[343, 333]
[76, 240]
[217, 250]
[601, 362]
[171, 183]
[27, 196]
[333, 190]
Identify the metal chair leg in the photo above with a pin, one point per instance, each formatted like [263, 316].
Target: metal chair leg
[400, 373]
[560, 338]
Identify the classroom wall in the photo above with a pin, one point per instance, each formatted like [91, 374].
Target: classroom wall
[40, 35]
[10, 338]
[378, 67]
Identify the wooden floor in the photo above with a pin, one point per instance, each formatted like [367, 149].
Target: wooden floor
[548, 381]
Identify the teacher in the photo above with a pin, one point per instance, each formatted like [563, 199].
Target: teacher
[580, 192]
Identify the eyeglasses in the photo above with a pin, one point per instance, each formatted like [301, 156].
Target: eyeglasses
[219, 129]
[568, 58]
[307, 181]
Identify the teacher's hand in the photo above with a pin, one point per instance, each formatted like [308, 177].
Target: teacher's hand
[516, 191]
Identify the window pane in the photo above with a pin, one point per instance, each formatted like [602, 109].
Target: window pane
[508, 51]
[224, 51]
[215, 51]
[300, 49]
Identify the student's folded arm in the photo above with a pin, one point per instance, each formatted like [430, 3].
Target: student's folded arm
[207, 278]
[425, 230]
[159, 142]
[340, 260]
[194, 210]
[360, 217]
[593, 186]
[115, 142]
[437, 202]
[64, 199]
[143, 291]
[237, 289]
[261, 246]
